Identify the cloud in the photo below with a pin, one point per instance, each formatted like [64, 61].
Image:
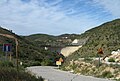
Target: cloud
[54, 16]
[112, 7]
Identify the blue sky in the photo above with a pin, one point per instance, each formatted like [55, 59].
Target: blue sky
[56, 17]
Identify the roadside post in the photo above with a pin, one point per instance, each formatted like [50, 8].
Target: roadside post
[100, 51]
[10, 56]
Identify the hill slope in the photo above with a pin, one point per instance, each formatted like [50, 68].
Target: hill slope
[44, 39]
[106, 36]
[28, 52]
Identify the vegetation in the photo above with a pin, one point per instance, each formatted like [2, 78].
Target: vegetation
[106, 74]
[111, 60]
[50, 40]
[106, 36]
[8, 72]
[91, 69]
[30, 53]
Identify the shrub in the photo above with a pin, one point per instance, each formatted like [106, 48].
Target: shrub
[115, 66]
[118, 80]
[29, 63]
[35, 63]
[111, 60]
[6, 64]
[87, 59]
[46, 62]
[107, 74]
[10, 74]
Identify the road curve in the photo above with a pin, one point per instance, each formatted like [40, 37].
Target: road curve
[52, 74]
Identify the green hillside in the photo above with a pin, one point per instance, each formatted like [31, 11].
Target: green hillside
[44, 39]
[28, 52]
[106, 36]
[40, 39]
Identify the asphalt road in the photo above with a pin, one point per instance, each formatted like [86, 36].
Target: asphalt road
[52, 74]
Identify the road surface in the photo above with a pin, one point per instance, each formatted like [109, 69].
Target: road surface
[52, 74]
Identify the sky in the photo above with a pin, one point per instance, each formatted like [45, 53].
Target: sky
[55, 17]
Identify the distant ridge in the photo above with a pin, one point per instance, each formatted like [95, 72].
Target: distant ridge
[45, 39]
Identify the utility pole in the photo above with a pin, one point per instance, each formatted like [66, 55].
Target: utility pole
[16, 47]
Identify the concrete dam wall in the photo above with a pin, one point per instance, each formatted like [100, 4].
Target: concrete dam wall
[66, 51]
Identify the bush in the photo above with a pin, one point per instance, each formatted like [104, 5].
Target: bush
[28, 63]
[10, 74]
[107, 74]
[111, 60]
[6, 64]
[36, 63]
[118, 80]
[46, 62]
[114, 66]
[88, 59]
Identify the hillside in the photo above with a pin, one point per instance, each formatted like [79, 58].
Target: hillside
[44, 39]
[28, 52]
[106, 36]
[84, 61]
